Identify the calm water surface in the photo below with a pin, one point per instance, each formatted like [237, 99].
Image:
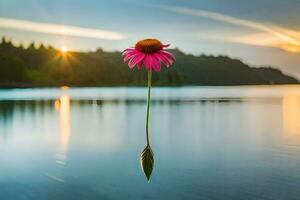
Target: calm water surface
[208, 143]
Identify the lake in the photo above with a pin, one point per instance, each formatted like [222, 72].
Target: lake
[208, 143]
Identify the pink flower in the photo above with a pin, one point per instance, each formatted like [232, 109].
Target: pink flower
[149, 52]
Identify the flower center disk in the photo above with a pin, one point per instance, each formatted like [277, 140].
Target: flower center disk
[148, 45]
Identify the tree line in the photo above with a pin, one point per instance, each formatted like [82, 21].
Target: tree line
[45, 66]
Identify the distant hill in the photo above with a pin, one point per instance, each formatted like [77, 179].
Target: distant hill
[46, 66]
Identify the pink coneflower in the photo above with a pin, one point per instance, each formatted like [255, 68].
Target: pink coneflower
[149, 52]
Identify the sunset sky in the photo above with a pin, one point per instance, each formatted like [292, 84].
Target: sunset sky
[260, 32]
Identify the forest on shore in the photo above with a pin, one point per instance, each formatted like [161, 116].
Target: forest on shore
[48, 67]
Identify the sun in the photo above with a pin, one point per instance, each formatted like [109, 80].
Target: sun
[64, 49]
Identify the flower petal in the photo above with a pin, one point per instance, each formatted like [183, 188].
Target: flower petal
[165, 45]
[164, 59]
[140, 64]
[167, 54]
[127, 51]
[148, 62]
[138, 58]
[130, 55]
[156, 63]
[170, 61]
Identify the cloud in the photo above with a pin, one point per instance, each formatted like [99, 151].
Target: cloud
[59, 29]
[269, 35]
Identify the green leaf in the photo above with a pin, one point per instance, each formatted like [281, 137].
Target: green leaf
[147, 161]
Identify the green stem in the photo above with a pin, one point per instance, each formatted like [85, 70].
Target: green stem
[148, 106]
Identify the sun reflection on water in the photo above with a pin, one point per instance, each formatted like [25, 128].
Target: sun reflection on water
[63, 107]
[291, 114]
